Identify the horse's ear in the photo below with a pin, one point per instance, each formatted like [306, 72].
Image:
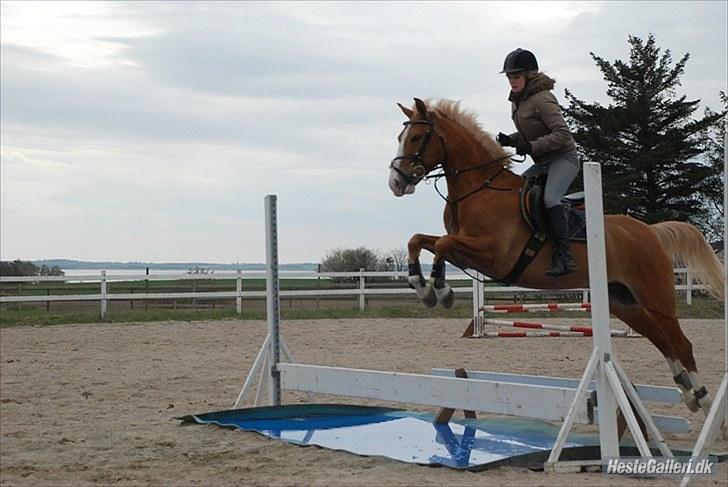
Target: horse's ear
[421, 107]
[408, 113]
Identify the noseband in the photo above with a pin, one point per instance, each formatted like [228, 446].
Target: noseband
[418, 163]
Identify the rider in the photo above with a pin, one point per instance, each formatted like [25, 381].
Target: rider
[543, 134]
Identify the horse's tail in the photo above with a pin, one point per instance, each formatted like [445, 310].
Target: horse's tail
[686, 244]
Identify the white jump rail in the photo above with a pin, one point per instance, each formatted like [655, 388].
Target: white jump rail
[646, 392]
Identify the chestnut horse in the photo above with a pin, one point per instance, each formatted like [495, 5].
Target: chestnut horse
[486, 232]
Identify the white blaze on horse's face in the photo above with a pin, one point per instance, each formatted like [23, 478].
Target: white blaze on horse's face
[397, 183]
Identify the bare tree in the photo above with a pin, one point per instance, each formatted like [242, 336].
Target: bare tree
[397, 259]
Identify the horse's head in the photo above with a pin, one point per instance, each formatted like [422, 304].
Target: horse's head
[417, 155]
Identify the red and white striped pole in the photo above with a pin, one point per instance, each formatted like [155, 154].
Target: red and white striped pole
[531, 308]
[582, 330]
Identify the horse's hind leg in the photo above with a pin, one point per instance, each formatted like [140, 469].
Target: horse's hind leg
[696, 395]
[663, 330]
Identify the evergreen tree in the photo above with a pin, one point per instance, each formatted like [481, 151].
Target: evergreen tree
[647, 141]
[714, 156]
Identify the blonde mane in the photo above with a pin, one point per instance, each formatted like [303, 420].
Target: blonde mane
[450, 109]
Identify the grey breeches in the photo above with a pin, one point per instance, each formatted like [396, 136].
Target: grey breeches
[561, 173]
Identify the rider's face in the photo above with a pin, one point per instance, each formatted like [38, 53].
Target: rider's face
[517, 81]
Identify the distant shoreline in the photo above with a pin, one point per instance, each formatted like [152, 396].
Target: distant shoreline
[75, 265]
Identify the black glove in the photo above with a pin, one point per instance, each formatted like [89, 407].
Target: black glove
[524, 148]
[504, 140]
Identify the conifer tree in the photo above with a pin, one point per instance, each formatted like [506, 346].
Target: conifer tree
[714, 156]
[651, 148]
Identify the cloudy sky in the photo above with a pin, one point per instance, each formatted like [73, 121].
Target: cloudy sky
[151, 131]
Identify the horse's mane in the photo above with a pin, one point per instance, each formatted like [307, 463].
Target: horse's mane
[450, 109]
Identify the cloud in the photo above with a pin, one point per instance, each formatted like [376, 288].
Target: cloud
[152, 130]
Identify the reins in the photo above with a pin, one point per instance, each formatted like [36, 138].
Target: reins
[456, 172]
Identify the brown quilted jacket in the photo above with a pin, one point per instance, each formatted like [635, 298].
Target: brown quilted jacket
[538, 119]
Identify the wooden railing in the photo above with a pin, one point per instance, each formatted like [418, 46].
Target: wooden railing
[361, 291]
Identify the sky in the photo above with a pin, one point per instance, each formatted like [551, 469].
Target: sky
[152, 131]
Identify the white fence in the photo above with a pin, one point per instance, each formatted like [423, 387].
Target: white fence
[362, 292]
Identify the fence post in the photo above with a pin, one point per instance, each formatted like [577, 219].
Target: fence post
[239, 290]
[318, 285]
[362, 299]
[146, 289]
[688, 287]
[103, 295]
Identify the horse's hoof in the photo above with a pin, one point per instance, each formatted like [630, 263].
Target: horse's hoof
[692, 404]
[448, 300]
[429, 299]
[705, 404]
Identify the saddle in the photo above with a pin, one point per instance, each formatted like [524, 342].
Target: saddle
[534, 214]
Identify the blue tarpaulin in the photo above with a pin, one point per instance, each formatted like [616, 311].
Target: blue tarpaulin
[472, 444]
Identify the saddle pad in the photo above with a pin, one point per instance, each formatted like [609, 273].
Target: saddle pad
[577, 224]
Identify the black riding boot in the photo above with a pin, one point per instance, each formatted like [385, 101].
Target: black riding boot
[563, 262]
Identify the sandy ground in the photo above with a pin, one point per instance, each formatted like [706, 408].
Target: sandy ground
[94, 404]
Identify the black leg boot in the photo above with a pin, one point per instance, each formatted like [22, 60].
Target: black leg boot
[563, 262]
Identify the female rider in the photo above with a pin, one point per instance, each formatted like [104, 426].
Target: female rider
[543, 134]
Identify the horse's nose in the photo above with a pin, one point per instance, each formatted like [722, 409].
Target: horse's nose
[395, 185]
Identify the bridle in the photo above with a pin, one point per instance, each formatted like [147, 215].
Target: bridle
[420, 172]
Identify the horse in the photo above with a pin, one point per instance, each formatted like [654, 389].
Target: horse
[487, 233]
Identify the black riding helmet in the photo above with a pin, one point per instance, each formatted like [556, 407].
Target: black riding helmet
[520, 60]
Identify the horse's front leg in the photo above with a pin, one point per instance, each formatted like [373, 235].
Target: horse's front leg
[464, 251]
[443, 292]
[424, 290]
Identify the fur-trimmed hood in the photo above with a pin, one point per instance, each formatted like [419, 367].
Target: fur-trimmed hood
[538, 83]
